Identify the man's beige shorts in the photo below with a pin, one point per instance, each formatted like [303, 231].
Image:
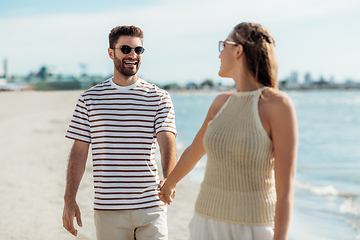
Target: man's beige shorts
[149, 224]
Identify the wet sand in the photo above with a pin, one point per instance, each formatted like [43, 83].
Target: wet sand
[33, 158]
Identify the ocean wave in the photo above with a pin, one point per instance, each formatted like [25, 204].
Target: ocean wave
[350, 207]
[324, 191]
[355, 224]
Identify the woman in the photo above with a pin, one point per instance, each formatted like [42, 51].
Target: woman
[250, 138]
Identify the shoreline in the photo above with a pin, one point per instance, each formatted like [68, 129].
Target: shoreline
[339, 87]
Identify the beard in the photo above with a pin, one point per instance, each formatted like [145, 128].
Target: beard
[122, 69]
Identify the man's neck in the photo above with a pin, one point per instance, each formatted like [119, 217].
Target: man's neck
[122, 80]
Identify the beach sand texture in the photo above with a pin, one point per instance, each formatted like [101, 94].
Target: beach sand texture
[33, 160]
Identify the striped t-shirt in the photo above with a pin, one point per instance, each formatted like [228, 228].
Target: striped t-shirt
[121, 124]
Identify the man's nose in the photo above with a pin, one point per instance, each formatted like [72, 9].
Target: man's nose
[132, 53]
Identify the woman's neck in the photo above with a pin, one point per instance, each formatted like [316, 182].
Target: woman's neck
[245, 82]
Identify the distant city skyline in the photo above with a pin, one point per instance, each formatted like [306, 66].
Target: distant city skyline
[317, 37]
[292, 78]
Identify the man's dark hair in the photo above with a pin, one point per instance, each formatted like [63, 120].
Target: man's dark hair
[119, 31]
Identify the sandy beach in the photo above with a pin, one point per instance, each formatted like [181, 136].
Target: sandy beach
[33, 161]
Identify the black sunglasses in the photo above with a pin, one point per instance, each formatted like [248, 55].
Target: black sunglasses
[125, 49]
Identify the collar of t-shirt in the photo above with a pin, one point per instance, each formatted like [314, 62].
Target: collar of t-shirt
[124, 88]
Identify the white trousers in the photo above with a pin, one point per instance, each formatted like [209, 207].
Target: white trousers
[207, 229]
[142, 224]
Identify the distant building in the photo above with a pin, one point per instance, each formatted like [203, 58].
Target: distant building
[2, 82]
[308, 79]
[293, 80]
[322, 79]
[6, 69]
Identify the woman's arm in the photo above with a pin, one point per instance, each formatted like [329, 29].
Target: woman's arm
[193, 153]
[285, 137]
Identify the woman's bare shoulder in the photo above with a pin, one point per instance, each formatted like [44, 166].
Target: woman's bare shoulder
[219, 102]
[276, 97]
[221, 99]
[278, 102]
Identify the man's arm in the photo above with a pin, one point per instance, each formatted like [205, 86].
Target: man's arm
[75, 171]
[166, 141]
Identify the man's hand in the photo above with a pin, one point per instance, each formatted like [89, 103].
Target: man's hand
[166, 195]
[71, 210]
[75, 171]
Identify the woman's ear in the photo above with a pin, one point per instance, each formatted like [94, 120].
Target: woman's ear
[239, 50]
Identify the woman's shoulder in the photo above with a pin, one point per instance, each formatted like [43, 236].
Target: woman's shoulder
[277, 102]
[276, 97]
[223, 97]
[219, 102]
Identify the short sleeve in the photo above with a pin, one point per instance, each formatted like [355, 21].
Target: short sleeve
[79, 128]
[165, 115]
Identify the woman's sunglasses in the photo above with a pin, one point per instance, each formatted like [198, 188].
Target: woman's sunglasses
[222, 44]
[125, 49]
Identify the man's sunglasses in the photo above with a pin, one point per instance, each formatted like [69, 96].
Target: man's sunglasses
[125, 49]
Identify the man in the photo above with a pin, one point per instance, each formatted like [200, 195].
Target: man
[121, 118]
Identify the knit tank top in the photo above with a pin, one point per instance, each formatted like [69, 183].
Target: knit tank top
[239, 185]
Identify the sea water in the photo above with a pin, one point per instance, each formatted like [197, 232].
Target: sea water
[327, 186]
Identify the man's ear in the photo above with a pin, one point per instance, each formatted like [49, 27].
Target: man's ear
[111, 53]
[239, 51]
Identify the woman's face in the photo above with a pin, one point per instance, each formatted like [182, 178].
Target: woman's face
[227, 58]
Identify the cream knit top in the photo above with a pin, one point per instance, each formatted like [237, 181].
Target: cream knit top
[239, 185]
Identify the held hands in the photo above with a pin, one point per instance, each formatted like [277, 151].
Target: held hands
[71, 210]
[166, 192]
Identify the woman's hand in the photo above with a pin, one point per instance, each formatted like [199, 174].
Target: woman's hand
[167, 192]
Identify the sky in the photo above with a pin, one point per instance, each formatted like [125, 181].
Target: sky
[320, 37]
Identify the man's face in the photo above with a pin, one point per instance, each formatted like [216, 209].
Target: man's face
[127, 64]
